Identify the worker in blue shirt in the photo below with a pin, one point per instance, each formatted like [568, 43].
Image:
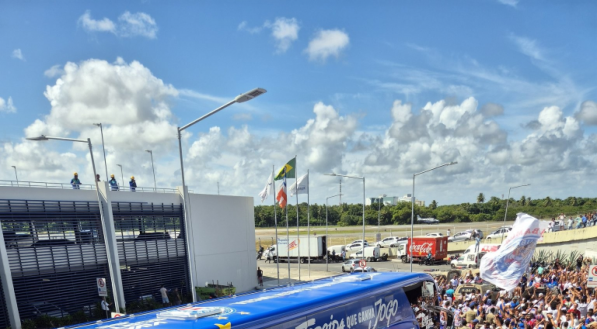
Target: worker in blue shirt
[113, 183]
[75, 182]
[133, 184]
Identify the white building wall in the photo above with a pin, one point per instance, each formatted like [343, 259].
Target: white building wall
[224, 240]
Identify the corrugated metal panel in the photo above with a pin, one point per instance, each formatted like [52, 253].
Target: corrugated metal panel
[151, 248]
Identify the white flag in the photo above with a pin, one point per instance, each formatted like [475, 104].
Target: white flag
[303, 185]
[268, 189]
[505, 267]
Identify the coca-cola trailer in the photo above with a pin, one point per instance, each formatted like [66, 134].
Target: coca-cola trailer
[423, 245]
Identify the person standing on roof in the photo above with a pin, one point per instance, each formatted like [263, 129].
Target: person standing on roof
[113, 183]
[75, 182]
[133, 184]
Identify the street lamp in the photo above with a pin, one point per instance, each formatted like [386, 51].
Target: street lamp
[115, 272]
[326, 229]
[155, 187]
[103, 148]
[121, 174]
[379, 212]
[508, 201]
[17, 177]
[239, 99]
[412, 216]
[363, 178]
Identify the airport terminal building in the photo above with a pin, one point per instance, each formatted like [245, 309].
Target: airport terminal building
[59, 241]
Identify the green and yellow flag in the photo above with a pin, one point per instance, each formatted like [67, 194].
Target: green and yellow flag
[289, 169]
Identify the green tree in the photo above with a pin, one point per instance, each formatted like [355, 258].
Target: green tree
[523, 201]
[433, 205]
[480, 198]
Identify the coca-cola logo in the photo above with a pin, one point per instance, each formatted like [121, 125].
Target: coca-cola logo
[422, 248]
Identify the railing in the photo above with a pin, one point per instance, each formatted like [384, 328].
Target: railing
[68, 186]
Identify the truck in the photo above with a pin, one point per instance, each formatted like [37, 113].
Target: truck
[483, 247]
[422, 245]
[372, 254]
[313, 248]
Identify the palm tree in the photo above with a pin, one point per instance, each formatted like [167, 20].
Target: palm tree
[523, 200]
[547, 201]
[480, 198]
[433, 204]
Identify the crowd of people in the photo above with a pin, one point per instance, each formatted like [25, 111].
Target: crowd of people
[75, 182]
[549, 296]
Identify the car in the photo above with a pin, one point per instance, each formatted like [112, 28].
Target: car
[357, 241]
[350, 265]
[457, 262]
[434, 234]
[361, 270]
[356, 246]
[500, 233]
[461, 236]
[473, 288]
[52, 242]
[49, 309]
[391, 241]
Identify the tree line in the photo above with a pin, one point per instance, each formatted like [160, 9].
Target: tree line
[492, 210]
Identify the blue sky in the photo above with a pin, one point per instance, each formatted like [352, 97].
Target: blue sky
[507, 88]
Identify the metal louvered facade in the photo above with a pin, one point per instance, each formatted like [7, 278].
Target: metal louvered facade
[56, 252]
[4, 322]
[151, 248]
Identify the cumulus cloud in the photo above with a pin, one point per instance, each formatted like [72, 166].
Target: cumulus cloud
[18, 54]
[327, 43]
[492, 110]
[129, 25]
[285, 32]
[588, 113]
[512, 3]
[54, 71]
[7, 106]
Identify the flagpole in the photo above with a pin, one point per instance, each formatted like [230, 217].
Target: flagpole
[276, 223]
[308, 226]
[298, 242]
[287, 229]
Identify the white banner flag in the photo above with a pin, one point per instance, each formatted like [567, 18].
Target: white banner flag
[505, 267]
[303, 185]
[268, 189]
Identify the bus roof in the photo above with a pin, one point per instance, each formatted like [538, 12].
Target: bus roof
[245, 311]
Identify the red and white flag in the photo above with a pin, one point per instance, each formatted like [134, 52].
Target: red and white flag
[281, 194]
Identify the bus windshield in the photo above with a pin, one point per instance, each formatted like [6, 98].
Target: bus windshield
[353, 301]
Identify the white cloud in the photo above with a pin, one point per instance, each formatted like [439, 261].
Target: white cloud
[18, 54]
[92, 25]
[7, 106]
[528, 47]
[512, 3]
[244, 26]
[285, 31]
[129, 25]
[327, 43]
[54, 71]
[588, 113]
[137, 24]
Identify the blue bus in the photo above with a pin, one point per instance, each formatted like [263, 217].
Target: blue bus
[352, 301]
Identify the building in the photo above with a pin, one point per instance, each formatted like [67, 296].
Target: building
[386, 200]
[56, 243]
[408, 198]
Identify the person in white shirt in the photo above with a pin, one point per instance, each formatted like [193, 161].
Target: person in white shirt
[164, 293]
[106, 307]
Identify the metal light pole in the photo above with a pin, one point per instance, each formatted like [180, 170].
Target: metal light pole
[412, 217]
[379, 212]
[508, 202]
[115, 272]
[103, 148]
[155, 186]
[16, 176]
[326, 229]
[363, 178]
[121, 173]
[239, 99]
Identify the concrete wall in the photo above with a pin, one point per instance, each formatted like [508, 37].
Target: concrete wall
[224, 240]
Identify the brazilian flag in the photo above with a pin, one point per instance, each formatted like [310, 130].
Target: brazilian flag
[289, 169]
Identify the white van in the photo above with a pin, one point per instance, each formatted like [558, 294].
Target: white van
[483, 247]
[338, 249]
[470, 260]
[371, 254]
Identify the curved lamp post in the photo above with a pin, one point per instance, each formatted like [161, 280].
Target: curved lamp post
[507, 202]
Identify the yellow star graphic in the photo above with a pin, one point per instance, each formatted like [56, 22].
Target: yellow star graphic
[224, 326]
